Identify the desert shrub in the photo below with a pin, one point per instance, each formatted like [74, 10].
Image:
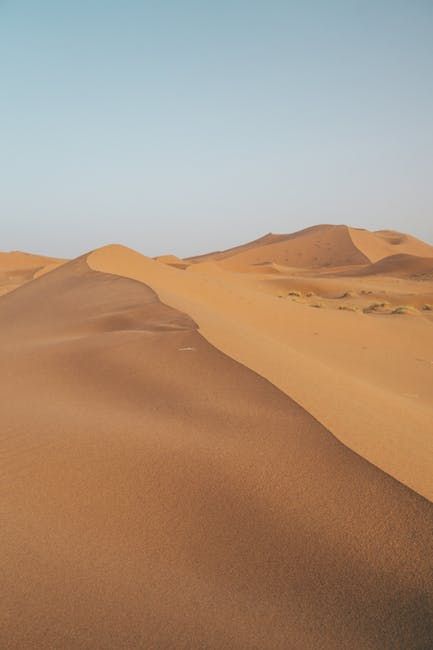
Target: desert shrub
[373, 307]
[404, 309]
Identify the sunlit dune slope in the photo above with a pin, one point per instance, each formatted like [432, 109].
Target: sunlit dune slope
[165, 496]
[314, 247]
[367, 377]
[17, 268]
[384, 243]
[17, 260]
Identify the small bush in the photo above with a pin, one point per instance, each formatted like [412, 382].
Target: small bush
[375, 306]
[404, 309]
[297, 294]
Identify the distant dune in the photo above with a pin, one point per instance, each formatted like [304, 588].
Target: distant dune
[319, 246]
[386, 413]
[17, 268]
[172, 462]
[402, 266]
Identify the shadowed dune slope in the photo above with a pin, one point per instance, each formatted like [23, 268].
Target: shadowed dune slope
[156, 494]
[401, 266]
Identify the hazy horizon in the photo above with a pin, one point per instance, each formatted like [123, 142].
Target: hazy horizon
[183, 128]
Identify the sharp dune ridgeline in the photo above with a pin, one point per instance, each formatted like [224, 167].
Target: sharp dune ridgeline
[230, 451]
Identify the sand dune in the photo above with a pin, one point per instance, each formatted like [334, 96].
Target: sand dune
[381, 366]
[165, 496]
[314, 247]
[17, 268]
[172, 260]
[161, 488]
[15, 260]
[384, 243]
[401, 266]
[317, 247]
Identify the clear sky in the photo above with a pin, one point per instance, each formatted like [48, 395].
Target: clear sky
[185, 126]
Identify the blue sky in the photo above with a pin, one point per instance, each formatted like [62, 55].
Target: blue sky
[181, 126]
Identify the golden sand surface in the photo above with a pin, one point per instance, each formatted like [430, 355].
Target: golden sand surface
[232, 451]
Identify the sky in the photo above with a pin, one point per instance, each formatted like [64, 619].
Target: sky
[188, 126]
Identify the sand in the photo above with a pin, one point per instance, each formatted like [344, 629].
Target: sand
[17, 268]
[161, 488]
[367, 377]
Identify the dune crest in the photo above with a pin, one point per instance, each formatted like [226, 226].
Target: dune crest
[322, 246]
[344, 367]
[165, 496]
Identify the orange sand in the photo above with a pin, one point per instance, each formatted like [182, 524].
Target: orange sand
[17, 268]
[159, 491]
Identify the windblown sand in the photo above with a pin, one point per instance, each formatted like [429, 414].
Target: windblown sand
[160, 488]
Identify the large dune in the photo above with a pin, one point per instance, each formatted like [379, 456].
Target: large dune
[366, 377]
[228, 452]
[317, 247]
[158, 494]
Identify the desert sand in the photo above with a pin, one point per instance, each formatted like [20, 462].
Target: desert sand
[17, 268]
[229, 451]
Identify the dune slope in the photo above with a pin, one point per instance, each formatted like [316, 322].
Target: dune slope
[165, 496]
[318, 247]
[384, 243]
[17, 268]
[367, 378]
[401, 266]
[315, 247]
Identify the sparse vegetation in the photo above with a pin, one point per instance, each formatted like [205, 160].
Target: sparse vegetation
[374, 307]
[404, 309]
[296, 294]
[347, 308]
[317, 305]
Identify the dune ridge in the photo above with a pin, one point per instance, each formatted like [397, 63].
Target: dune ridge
[167, 496]
[319, 246]
[315, 357]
